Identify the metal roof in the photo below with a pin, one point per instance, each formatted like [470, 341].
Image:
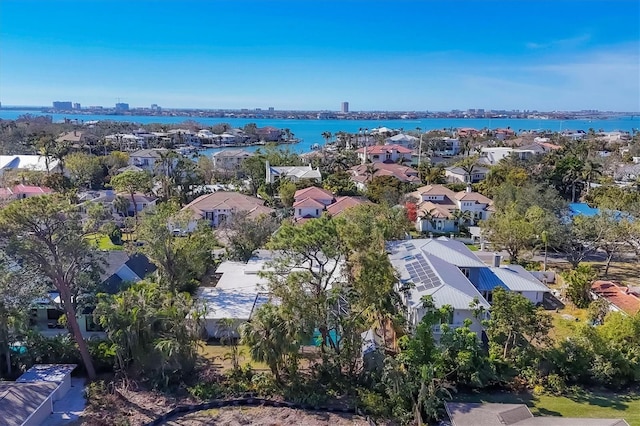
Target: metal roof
[516, 278]
[450, 251]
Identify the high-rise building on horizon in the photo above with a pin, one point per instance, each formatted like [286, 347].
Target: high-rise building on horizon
[344, 107]
[64, 105]
[121, 106]
[77, 105]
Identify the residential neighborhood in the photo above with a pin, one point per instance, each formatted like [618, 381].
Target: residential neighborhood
[467, 255]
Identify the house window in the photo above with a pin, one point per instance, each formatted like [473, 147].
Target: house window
[317, 212]
[465, 271]
[299, 212]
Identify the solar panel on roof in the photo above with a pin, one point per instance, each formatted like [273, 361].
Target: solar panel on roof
[421, 288]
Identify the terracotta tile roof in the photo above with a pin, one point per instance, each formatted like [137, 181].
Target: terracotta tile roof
[438, 211]
[226, 200]
[436, 190]
[400, 172]
[344, 203]
[473, 196]
[313, 192]
[25, 190]
[309, 202]
[383, 149]
[619, 296]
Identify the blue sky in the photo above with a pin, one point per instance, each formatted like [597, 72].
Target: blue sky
[304, 54]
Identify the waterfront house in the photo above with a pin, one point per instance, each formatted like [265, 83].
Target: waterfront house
[384, 154]
[219, 206]
[229, 161]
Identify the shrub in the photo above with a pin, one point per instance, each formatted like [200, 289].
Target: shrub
[373, 403]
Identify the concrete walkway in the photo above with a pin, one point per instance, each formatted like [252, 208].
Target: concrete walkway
[68, 409]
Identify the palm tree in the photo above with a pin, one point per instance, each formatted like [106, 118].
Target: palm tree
[590, 171]
[428, 216]
[468, 165]
[327, 137]
[271, 338]
[462, 217]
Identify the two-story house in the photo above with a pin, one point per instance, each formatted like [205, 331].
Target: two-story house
[220, 206]
[229, 161]
[453, 275]
[437, 208]
[312, 202]
[362, 174]
[384, 154]
[456, 174]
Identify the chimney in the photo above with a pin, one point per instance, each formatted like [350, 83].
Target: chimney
[496, 260]
[469, 188]
[364, 159]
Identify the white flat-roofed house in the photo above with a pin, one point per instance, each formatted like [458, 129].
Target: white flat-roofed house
[445, 147]
[241, 289]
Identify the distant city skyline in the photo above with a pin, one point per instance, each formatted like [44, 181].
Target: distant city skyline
[398, 55]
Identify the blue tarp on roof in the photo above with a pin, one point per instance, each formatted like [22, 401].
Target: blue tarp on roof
[577, 209]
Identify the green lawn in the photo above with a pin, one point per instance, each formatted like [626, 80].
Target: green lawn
[588, 404]
[102, 242]
[219, 354]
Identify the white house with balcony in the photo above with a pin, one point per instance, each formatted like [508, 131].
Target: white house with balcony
[445, 147]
